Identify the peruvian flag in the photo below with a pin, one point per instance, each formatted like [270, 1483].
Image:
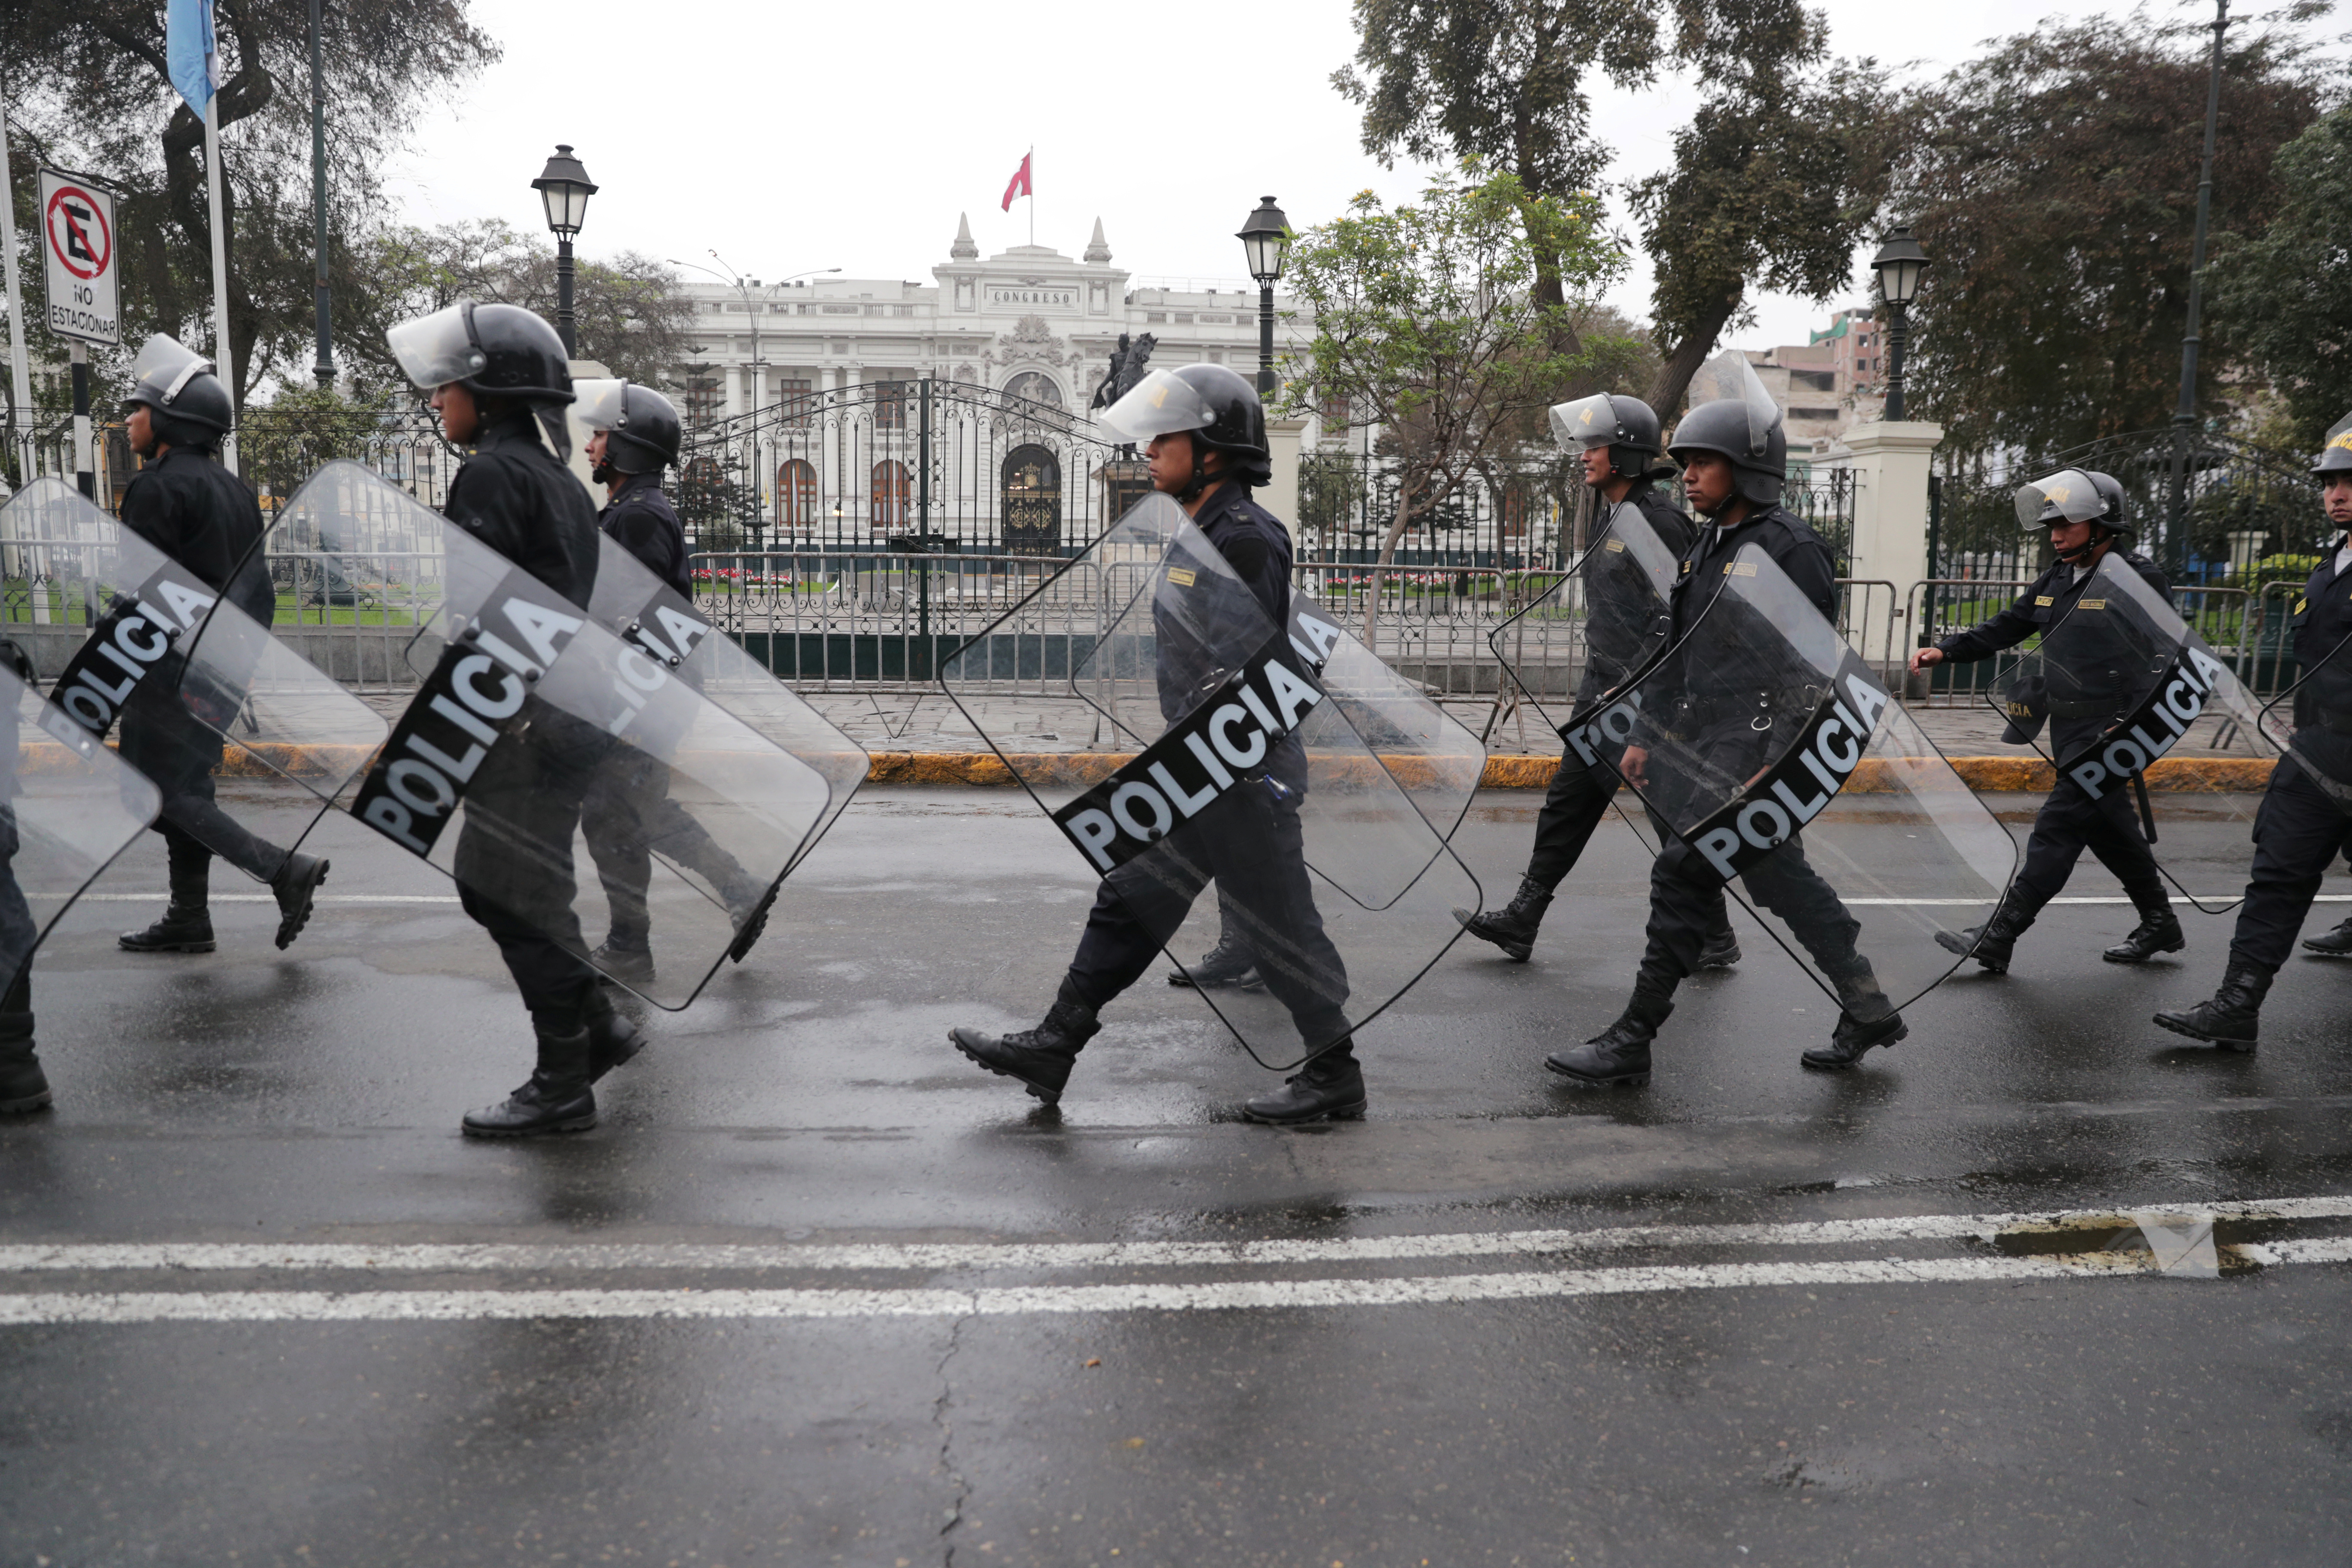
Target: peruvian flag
[1020, 186]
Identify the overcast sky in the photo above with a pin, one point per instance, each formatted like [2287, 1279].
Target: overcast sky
[792, 137]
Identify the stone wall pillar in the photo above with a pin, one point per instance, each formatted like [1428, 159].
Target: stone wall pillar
[1281, 497]
[1889, 460]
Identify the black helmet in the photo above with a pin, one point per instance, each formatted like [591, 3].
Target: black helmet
[1738, 421]
[497, 351]
[1626, 426]
[187, 406]
[640, 427]
[1217, 404]
[2336, 457]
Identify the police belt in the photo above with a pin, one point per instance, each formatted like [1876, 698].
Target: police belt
[1698, 712]
[2058, 710]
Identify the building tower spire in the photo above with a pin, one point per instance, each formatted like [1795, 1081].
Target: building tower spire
[963, 250]
[1098, 249]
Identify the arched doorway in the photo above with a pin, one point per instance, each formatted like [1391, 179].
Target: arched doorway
[889, 503]
[1032, 501]
[1036, 387]
[796, 495]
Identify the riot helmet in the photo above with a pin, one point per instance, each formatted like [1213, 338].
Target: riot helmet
[1738, 421]
[2335, 457]
[642, 428]
[498, 352]
[1221, 410]
[1626, 426]
[186, 403]
[2074, 495]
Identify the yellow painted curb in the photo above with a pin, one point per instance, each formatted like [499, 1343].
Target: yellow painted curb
[2203, 775]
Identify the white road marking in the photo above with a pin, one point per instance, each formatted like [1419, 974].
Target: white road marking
[445, 1306]
[432, 1257]
[272, 897]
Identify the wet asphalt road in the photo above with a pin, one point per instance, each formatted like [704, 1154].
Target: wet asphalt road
[1868, 1395]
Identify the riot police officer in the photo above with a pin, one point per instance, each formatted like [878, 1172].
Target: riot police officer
[636, 434]
[500, 378]
[1734, 454]
[184, 503]
[1617, 440]
[2302, 826]
[1210, 449]
[2076, 694]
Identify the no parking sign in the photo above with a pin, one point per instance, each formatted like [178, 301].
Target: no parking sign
[77, 243]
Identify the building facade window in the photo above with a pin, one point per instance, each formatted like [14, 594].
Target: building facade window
[796, 497]
[888, 507]
[701, 401]
[796, 400]
[890, 405]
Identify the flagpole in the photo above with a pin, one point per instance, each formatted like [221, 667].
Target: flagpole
[220, 271]
[1030, 161]
[19, 375]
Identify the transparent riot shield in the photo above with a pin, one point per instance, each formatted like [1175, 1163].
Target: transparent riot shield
[635, 605]
[1246, 772]
[1573, 647]
[562, 776]
[2117, 682]
[1437, 762]
[68, 805]
[191, 677]
[2311, 721]
[1783, 768]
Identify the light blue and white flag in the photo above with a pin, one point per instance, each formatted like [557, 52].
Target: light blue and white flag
[188, 49]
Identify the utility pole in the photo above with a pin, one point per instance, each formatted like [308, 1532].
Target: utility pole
[325, 369]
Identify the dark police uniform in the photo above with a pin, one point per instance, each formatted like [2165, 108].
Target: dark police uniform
[627, 805]
[1250, 842]
[2082, 700]
[514, 497]
[1713, 706]
[204, 517]
[1578, 797]
[2300, 827]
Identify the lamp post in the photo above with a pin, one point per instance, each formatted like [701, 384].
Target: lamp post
[323, 310]
[564, 187]
[1899, 263]
[1265, 239]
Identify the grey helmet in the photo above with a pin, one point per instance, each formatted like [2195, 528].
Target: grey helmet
[2335, 457]
[2074, 495]
[1738, 421]
[1626, 426]
[186, 403]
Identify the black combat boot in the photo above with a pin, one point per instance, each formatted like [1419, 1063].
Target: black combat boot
[184, 928]
[1990, 943]
[751, 917]
[1040, 1057]
[626, 956]
[2336, 943]
[2233, 1019]
[1513, 927]
[1228, 966]
[296, 885]
[1852, 1037]
[2159, 931]
[23, 1085]
[1620, 1052]
[1330, 1087]
[1721, 950]
[612, 1038]
[556, 1099]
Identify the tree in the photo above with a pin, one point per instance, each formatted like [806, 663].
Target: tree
[631, 318]
[1496, 81]
[2054, 182]
[1427, 323]
[96, 93]
[1779, 168]
[2283, 296]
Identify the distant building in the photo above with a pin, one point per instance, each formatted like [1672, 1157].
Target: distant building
[1829, 385]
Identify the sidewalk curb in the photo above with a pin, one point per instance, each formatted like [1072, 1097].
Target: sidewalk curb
[2198, 776]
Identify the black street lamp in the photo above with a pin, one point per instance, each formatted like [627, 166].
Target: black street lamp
[1899, 263]
[1265, 239]
[565, 186]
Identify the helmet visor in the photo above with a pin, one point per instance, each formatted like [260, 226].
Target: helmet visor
[436, 350]
[2066, 495]
[1587, 423]
[601, 404]
[164, 365]
[1729, 378]
[1161, 403]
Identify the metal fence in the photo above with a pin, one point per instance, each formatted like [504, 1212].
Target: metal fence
[2229, 619]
